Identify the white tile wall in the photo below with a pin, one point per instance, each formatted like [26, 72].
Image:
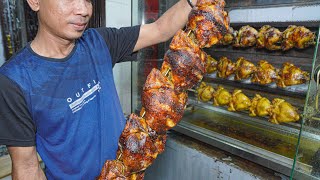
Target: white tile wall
[118, 14]
[1, 48]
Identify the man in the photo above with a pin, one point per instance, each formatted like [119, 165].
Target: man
[57, 94]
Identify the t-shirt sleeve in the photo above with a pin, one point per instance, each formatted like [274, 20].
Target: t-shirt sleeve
[16, 125]
[121, 42]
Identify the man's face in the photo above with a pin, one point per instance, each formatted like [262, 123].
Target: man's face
[66, 19]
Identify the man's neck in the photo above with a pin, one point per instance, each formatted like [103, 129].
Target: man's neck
[48, 45]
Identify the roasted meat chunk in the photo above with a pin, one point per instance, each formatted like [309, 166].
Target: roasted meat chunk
[163, 107]
[289, 75]
[260, 106]
[265, 73]
[228, 38]
[208, 24]
[273, 39]
[239, 101]
[220, 3]
[282, 111]
[137, 148]
[221, 97]
[225, 67]
[244, 69]
[184, 63]
[246, 37]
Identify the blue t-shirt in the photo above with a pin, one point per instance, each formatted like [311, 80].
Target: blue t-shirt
[73, 105]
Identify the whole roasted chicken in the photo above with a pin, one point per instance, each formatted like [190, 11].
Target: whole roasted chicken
[208, 22]
[163, 107]
[282, 111]
[297, 36]
[225, 67]
[246, 37]
[265, 73]
[239, 101]
[137, 150]
[211, 65]
[221, 97]
[289, 75]
[303, 37]
[288, 40]
[205, 93]
[244, 69]
[273, 39]
[260, 106]
[228, 38]
[184, 63]
[261, 38]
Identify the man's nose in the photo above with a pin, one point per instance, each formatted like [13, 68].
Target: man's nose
[83, 7]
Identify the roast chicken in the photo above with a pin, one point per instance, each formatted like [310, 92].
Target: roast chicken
[137, 147]
[163, 107]
[288, 40]
[208, 22]
[184, 63]
[246, 37]
[289, 75]
[297, 36]
[303, 37]
[211, 65]
[265, 73]
[228, 38]
[282, 111]
[243, 69]
[205, 93]
[221, 97]
[225, 67]
[239, 101]
[261, 38]
[260, 106]
[273, 39]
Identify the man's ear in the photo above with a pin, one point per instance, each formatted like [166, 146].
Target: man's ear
[34, 4]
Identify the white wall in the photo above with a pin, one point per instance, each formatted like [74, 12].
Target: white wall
[1, 48]
[118, 14]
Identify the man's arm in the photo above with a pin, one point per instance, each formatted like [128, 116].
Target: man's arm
[25, 164]
[165, 27]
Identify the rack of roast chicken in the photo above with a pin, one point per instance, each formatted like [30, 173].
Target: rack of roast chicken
[164, 95]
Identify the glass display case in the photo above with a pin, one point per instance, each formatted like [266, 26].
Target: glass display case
[291, 148]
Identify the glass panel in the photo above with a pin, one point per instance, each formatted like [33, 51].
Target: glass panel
[309, 152]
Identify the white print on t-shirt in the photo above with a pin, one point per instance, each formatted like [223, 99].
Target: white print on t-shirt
[85, 95]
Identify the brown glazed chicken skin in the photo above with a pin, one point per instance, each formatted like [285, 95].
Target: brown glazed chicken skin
[297, 36]
[283, 111]
[273, 39]
[221, 97]
[220, 3]
[289, 75]
[260, 106]
[208, 24]
[288, 41]
[239, 101]
[243, 69]
[265, 73]
[137, 148]
[225, 67]
[246, 37]
[163, 107]
[228, 38]
[184, 63]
